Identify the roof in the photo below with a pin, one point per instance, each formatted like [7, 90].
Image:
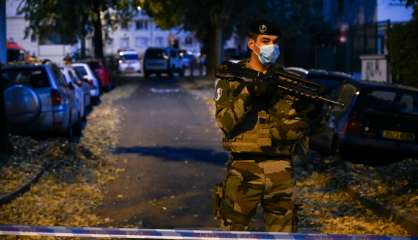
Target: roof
[21, 65]
[317, 72]
[382, 85]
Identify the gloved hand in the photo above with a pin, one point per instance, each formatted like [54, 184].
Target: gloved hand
[263, 88]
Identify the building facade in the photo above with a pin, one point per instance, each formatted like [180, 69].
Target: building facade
[142, 32]
[16, 25]
[139, 34]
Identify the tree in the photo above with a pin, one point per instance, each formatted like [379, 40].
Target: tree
[213, 21]
[304, 29]
[71, 20]
[403, 49]
[210, 20]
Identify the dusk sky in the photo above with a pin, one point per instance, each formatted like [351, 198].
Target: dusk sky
[395, 13]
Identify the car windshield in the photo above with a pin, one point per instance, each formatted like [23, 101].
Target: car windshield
[328, 81]
[393, 101]
[154, 53]
[33, 77]
[130, 57]
[80, 71]
[77, 74]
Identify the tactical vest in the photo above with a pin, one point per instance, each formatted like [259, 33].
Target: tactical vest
[272, 131]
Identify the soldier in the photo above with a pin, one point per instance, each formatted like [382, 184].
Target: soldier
[263, 131]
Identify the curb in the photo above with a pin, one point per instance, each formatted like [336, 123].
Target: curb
[7, 198]
[410, 223]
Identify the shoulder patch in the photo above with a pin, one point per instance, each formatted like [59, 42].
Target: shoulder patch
[218, 94]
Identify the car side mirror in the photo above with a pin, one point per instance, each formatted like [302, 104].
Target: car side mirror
[79, 82]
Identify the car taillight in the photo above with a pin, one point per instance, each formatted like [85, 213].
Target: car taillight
[55, 97]
[352, 126]
[90, 82]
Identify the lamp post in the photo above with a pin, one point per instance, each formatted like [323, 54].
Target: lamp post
[3, 50]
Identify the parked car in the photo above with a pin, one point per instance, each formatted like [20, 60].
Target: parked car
[84, 70]
[76, 84]
[162, 60]
[38, 101]
[330, 80]
[376, 118]
[101, 71]
[85, 86]
[128, 61]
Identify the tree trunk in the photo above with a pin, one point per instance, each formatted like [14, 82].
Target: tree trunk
[98, 35]
[214, 55]
[83, 47]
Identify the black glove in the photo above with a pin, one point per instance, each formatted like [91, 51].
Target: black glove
[263, 87]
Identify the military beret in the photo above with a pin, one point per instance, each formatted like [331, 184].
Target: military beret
[265, 27]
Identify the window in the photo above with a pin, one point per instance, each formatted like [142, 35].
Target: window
[125, 26]
[81, 71]
[391, 101]
[124, 43]
[141, 42]
[32, 77]
[130, 57]
[141, 25]
[56, 38]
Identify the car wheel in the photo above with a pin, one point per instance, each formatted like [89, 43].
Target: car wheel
[96, 100]
[338, 151]
[78, 128]
[170, 73]
[335, 146]
[181, 72]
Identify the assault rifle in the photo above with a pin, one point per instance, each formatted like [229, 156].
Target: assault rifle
[287, 83]
[297, 86]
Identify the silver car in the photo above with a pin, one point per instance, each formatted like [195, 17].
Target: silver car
[88, 74]
[81, 89]
[38, 101]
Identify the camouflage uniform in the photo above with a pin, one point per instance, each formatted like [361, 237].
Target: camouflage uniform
[262, 132]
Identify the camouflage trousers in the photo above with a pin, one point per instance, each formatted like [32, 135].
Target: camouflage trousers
[251, 182]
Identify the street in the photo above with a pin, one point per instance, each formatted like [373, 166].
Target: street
[150, 155]
[171, 150]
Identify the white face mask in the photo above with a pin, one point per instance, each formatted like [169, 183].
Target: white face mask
[269, 54]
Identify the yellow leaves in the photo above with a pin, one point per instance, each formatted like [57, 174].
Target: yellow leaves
[326, 208]
[359, 225]
[68, 194]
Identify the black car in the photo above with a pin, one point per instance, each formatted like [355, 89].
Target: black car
[162, 60]
[330, 80]
[376, 119]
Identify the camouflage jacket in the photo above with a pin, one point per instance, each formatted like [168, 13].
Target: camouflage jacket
[267, 124]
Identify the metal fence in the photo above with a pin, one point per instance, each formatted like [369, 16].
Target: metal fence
[344, 54]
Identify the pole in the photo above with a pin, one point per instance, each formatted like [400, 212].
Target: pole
[3, 50]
